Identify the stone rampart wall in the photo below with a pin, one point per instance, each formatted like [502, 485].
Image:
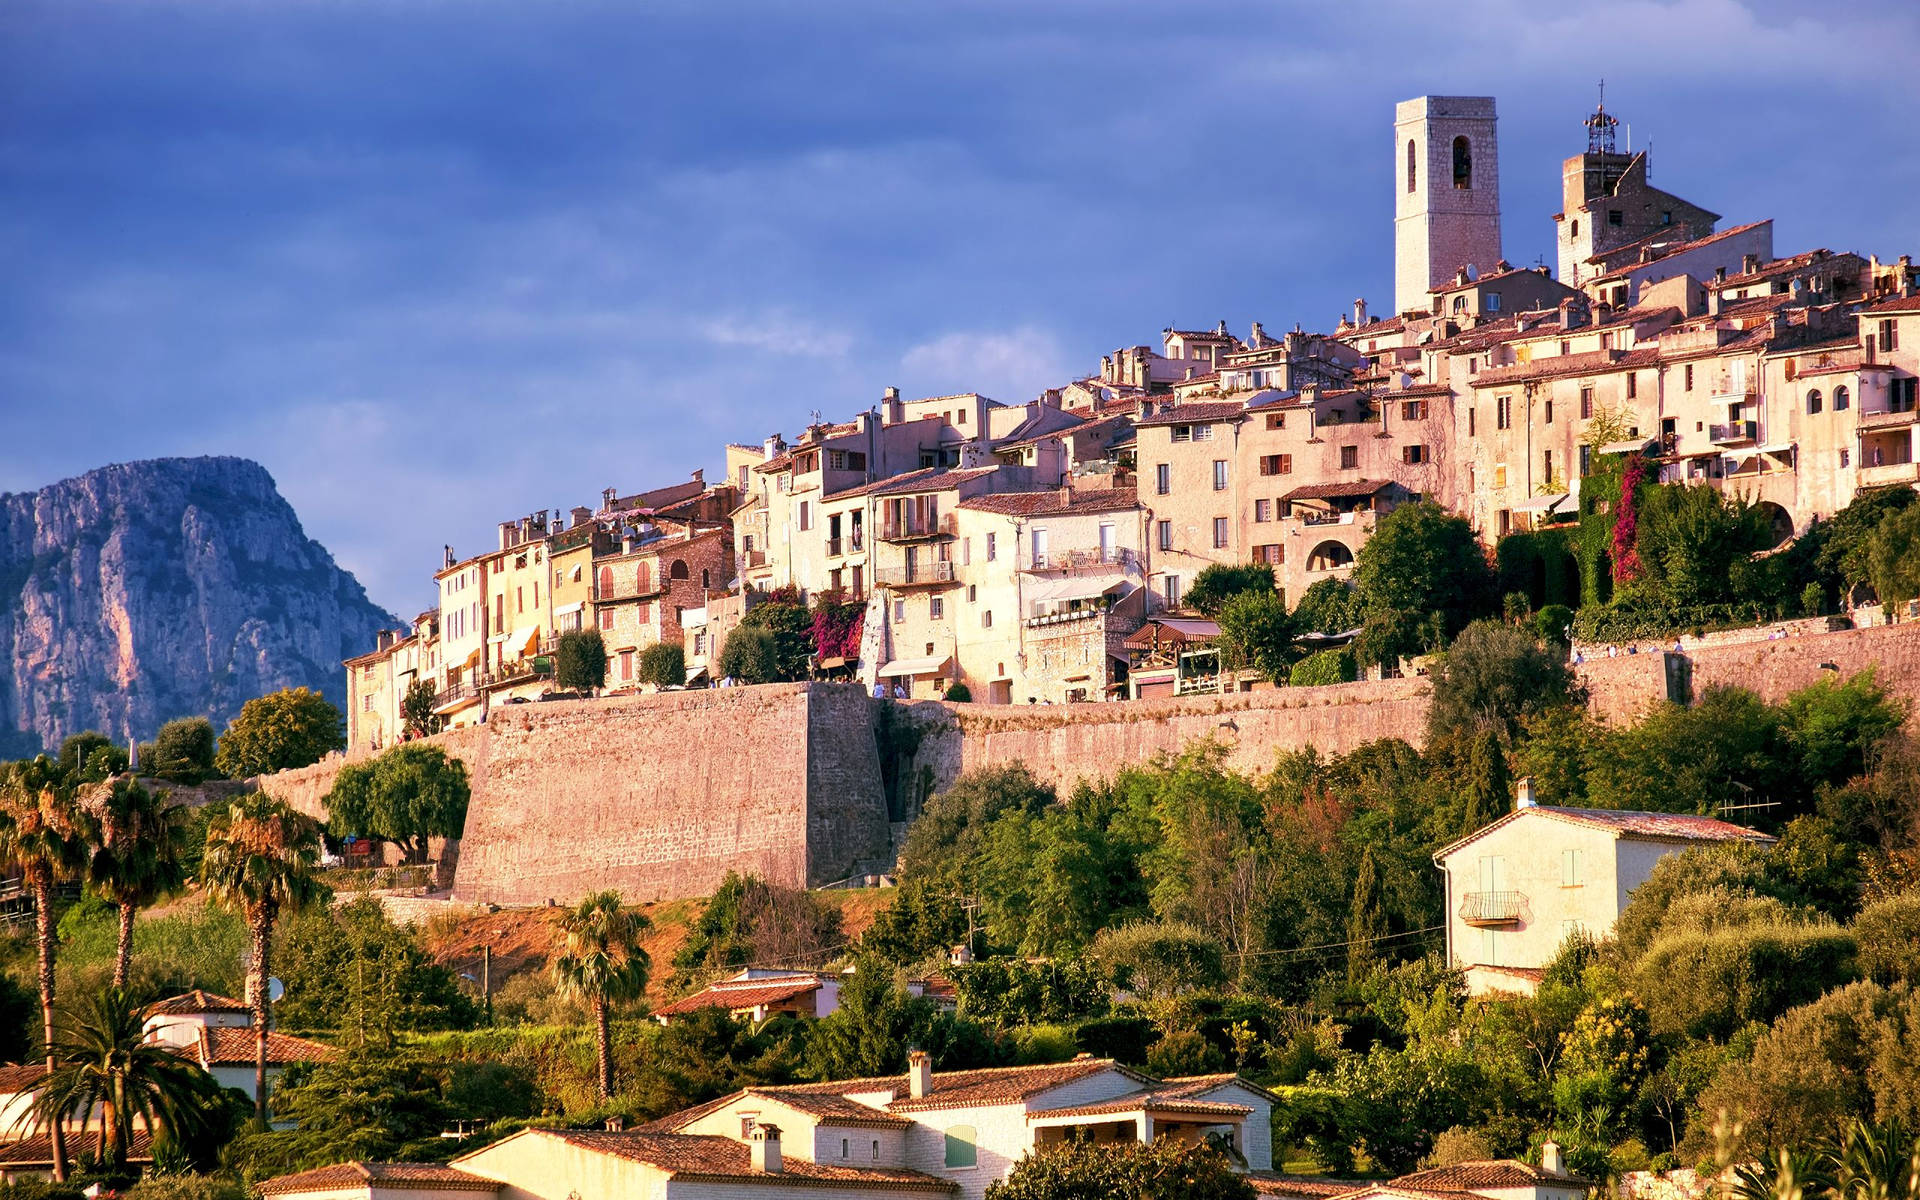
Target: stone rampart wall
[661, 795]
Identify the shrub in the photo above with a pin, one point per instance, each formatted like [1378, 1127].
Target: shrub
[1325, 667]
[1710, 984]
[1494, 677]
[751, 655]
[1888, 933]
[580, 661]
[183, 751]
[291, 728]
[1215, 585]
[664, 664]
[960, 693]
[1184, 1053]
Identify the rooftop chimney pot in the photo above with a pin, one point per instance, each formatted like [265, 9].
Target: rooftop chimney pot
[763, 1150]
[919, 1074]
[1523, 793]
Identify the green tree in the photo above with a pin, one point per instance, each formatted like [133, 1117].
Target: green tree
[367, 1107]
[1422, 566]
[1844, 557]
[1893, 557]
[663, 664]
[78, 748]
[1709, 983]
[1219, 583]
[1888, 934]
[750, 655]
[1161, 960]
[101, 1061]
[603, 965]
[1366, 924]
[45, 835]
[1324, 667]
[1330, 606]
[416, 707]
[291, 728]
[874, 1027]
[182, 751]
[1256, 631]
[1495, 677]
[1165, 1170]
[1831, 725]
[580, 661]
[260, 862]
[409, 794]
[352, 971]
[1692, 759]
[136, 860]
[785, 617]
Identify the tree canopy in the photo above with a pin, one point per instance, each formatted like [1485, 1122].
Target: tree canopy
[291, 728]
[408, 794]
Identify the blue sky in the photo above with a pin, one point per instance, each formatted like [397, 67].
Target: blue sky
[437, 263]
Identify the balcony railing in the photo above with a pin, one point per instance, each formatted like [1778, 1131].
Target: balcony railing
[1492, 908]
[851, 544]
[931, 574]
[753, 560]
[940, 527]
[527, 669]
[1328, 518]
[628, 589]
[1733, 433]
[454, 696]
[1081, 560]
[1887, 420]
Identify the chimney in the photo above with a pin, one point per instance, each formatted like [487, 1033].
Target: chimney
[509, 534]
[1221, 329]
[1360, 312]
[1713, 302]
[607, 497]
[1719, 274]
[1550, 1158]
[919, 1074]
[1523, 793]
[763, 1151]
[1903, 279]
[581, 515]
[447, 553]
[1259, 335]
[961, 956]
[616, 1124]
[700, 476]
[1749, 263]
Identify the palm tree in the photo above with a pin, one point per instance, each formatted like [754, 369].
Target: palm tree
[102, 1061]
[137, 860]
[44, 835]
[1875, 1162]
[260, 861]
[604, 964]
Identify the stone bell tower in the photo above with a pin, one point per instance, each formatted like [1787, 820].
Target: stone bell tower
[1447, 187]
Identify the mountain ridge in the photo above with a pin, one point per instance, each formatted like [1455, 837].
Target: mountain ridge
[142, 591]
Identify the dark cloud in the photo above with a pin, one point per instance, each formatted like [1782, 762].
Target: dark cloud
[436, 264]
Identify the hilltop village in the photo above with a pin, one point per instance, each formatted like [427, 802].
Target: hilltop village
[1462, 753]
[1041, 552]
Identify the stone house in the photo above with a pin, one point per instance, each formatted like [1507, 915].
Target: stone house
[659, 570]
[217, 1032]
[1518, 888]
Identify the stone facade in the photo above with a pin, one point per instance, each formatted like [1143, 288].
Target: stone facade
[1447, 207]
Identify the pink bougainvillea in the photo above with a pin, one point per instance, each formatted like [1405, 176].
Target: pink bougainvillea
[836, 629]
[1626, 526]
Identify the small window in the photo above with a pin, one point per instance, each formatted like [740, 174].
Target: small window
[876, 1149]
[936, 608]
[1689, 377]
[1615, 218]
[1492, 302]
[1276, 420]
[961, 1151]
[1262, 511]
[986, 618]
[993, 547]
[1162, 479]
[1570, 868]
[1548, 408]
[1633, 386]
[973, 593]
[1462, 164]
[1846, 457]
[1813, 402]
[1413, 454]
[1473, 422]
[1842, 399]
[843, 1147]
[1349, 457]
[1166, 535]
[1220, 533]
[1219, 474]
[1666, 217]
[899, 611]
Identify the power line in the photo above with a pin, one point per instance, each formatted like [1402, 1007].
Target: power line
[1337, 945]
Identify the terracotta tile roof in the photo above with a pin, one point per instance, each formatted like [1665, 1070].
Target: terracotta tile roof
[1214, 334]
[1494, 1173]
[1375, 328]
[1148, 1101]
[361, 1174]
[1196, 1085]
[196, 1001]
[1338, 491]
[1195, 413]
[1416, 392]
[19, 1153]
[1052, 502]
[1308, 1187]
[1390, 1191]
[1530, 974]
[1896, 304]
[17, 1078]
[1654, 826]
[999, 1085]
[1682, 248]
[235, 1047]
[1597, 362]
[831, 1109]
[928, 479]
[710, 1157]
[742, 994]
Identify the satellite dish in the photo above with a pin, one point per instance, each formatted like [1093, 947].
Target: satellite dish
[275, 989]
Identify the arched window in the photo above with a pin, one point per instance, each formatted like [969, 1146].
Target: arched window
[678, 570]
[641, 576]
[1412, 162]
[1462, 164]
[1813, 401]
[1842, 399]
[1459, 304]
[706, 579]
[606, 580]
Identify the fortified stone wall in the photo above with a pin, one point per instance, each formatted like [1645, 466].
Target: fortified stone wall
[1064, 743]
[659, 796]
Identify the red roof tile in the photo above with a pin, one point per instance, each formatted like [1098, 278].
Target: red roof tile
[707, 1156]
[1655, 826]
[36, 1151]
[1338, 491]
[1051, 502]
[17, 1078]
[196, 1001]
[1307, 1187]
[746, 994]
[1896, 304]
[360, 1174]
[1199, 412]
[235, 1047]
[1493, 1173]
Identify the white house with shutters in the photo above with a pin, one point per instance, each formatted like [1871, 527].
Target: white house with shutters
[1519, 887]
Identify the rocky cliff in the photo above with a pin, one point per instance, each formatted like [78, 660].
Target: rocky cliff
[146, 591]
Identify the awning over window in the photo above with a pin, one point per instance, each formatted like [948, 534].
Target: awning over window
[523, 640]
[1541, 504]
[909, 668]
[1082, 587]
[567, 610]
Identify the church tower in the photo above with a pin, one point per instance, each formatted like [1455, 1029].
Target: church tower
[1447, 179]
